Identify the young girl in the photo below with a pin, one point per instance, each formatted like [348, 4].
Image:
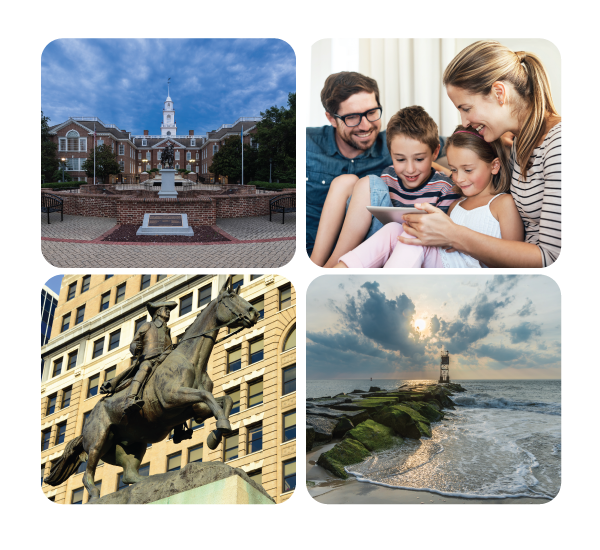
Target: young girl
[481, 174]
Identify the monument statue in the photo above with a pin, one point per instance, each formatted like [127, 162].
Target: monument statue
[168, 156]
[168, 385]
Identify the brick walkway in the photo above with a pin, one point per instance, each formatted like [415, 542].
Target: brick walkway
[74, 243]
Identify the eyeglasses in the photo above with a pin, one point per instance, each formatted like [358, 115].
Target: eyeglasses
[354, 119]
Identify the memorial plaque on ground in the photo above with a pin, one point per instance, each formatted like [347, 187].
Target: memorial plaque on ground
[165, 224]
[165, 220]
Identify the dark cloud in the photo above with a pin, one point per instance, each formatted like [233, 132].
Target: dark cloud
[464, 312]
[498, 353]
[485, 310]
[501, 283]
[458, 335]
[527, 309]
[523, 332]
[434, 325]
[345, 341]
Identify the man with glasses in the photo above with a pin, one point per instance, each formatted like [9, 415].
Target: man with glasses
[352, 144]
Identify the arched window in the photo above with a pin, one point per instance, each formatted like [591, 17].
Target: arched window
[290, 341]
[177, 167]
[168, 118]
[72, 140]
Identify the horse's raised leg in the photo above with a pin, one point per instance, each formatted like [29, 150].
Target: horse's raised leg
[129, 457]
[214, 437]
[189, 396]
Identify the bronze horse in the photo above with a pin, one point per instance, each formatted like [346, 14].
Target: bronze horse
[178, 389]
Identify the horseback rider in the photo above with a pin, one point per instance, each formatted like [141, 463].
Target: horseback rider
[150, 345]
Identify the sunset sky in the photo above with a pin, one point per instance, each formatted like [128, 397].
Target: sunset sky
[495, 327]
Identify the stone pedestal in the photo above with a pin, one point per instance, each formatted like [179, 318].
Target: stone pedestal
[167, 185]
[195, 483]
[232, 490]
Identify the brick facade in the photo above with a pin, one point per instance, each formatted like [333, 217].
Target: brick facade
[202, 208]
[136, 149]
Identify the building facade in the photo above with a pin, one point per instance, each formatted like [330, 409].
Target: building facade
[95, 321]
[139, 153]
[49, 303]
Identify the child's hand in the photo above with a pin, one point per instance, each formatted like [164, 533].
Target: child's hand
[431, 230]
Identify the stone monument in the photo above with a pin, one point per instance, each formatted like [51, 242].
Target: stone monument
[167, 174]
[123, 423]
[165, 224]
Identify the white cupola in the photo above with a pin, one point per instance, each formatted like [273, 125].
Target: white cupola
[168, 126]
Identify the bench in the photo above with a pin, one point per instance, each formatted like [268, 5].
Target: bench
[52, 203]
[283, 204]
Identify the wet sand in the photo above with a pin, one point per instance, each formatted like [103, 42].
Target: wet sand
[328, 489]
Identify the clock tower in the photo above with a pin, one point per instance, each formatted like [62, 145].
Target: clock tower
[168, 126]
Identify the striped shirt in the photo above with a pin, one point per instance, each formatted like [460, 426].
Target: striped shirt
[538, 199]
[437, 190]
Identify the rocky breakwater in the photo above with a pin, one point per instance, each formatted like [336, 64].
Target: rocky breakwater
[373, 421]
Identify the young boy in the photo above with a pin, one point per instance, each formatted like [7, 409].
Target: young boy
[413, 143]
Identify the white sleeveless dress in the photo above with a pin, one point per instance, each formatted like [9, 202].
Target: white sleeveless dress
[479, 219]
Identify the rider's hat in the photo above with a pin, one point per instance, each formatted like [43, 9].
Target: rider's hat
[153, 307]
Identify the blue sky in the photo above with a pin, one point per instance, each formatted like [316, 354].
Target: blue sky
[54, 283]
[124, 82]
[495, 327]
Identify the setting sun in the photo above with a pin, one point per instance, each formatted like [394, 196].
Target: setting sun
[420, 325]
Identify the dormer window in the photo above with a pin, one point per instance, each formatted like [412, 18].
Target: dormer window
[193, 142]
[144, 142]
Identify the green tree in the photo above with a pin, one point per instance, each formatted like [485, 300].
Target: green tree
[227, 161]
[276, 137]
[106, 163]
[49, 160]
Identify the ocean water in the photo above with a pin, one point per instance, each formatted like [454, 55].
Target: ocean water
[503, 440]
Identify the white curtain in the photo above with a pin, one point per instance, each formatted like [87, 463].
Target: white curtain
[409, 72]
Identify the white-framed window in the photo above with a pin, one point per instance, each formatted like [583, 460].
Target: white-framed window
[122, 165]
[121, 149]
[188, 156]
[159, 155]
[188, 167]
[197, 156]
[215, 148]
[144, 142]
[177, 167]
[99, 142]
[82, 145]
[74, 165]
[197, 169]
[148, 155]
[176, 155]
[168, 118]
[112, 146]
[159, 166]
[140, 155]
[193, 142]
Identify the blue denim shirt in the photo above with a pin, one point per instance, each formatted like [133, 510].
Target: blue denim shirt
[324, 162]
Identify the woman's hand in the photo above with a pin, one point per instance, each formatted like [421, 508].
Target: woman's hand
[433, 229]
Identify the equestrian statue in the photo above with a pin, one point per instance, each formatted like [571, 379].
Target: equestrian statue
[167, 386]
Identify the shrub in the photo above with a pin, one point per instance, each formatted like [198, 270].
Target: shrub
[273, 185]
[70, 185]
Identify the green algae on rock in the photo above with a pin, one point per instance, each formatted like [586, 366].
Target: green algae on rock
[348, 451]
[374, 436]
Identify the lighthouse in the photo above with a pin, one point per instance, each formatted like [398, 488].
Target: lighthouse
[444, 368]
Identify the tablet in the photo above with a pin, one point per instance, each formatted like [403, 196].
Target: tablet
[387, 214]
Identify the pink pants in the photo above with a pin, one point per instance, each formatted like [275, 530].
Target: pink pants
[385, 250]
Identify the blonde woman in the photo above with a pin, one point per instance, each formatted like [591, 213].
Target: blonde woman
[497, 91]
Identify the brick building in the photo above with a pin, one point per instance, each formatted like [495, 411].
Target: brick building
[138, 153]
[95, 321]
